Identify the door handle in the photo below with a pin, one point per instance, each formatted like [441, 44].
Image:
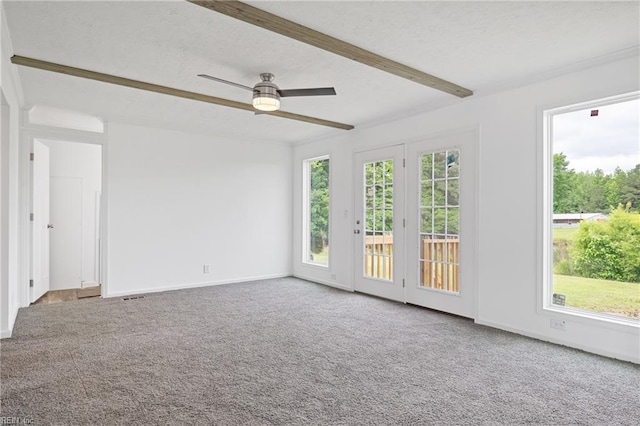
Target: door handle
[49, 226]
[356, 231]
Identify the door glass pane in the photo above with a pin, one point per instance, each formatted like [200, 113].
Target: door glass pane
[440, 220]
[427, 194]
[427, 166]
[453, 221]
[427, 221]
[439, 192]
[378, 239]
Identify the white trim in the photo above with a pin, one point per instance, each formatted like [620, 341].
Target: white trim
[559, 341]
[318, 266]
[28, 133]
[324, 282]
[194, 285]
[104, 216]
[24, 226]
[59, 133]
[4, 334]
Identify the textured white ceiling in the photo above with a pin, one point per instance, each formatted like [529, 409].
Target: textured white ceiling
[478, 45]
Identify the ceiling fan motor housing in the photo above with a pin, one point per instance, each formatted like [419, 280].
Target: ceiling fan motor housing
[265, 94]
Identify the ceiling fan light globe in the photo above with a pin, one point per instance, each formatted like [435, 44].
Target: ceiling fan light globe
[266, 103]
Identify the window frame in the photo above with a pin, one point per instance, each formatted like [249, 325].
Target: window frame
[306, 211]
[545, 219]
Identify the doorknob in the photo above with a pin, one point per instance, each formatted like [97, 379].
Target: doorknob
[356, 231]
[49, 226]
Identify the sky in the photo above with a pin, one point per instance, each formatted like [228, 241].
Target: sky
[609, 140]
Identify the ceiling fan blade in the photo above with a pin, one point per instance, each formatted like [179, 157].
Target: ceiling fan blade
[241, 86]
[320, 91]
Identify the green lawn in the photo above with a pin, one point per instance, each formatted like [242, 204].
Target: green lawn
[564, 233]
[601, 296]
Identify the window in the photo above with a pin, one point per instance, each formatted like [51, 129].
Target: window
[378, 220]
[593, 209]
[440, 220]
[316, 211]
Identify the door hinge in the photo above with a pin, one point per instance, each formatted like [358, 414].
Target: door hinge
[403, 283]
[31, 217]
[404, 162]
[31, 156]
[404, 223]
[31, 283]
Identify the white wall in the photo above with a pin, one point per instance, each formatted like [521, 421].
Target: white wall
[9, 269]
[508, 283]
[178, 201]
[81, 161]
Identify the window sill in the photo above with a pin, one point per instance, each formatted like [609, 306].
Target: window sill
[593, 319]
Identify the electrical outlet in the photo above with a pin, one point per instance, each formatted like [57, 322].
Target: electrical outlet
[205, 269]
[558, 324]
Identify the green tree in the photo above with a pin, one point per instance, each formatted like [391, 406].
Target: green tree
[319, 205]
[440, 197]
[630, 189]
[597, 200]
[589, 192]
[613, 187]
[562, 185]
[379, 198]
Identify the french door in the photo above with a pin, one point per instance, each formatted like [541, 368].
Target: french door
[424, 255]
[379, 214]
[441, 245]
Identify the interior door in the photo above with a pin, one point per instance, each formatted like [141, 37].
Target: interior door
[41, 226]
[66, 237]
[441, 244]
[378, 228]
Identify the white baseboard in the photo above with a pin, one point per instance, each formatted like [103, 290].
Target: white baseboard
[324, 282]
[5, 334]
[550, 339]
[192, 285]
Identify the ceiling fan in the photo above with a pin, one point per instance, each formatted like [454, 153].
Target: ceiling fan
[266, 95]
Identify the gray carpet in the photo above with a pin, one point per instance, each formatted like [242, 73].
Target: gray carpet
[291, 352]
